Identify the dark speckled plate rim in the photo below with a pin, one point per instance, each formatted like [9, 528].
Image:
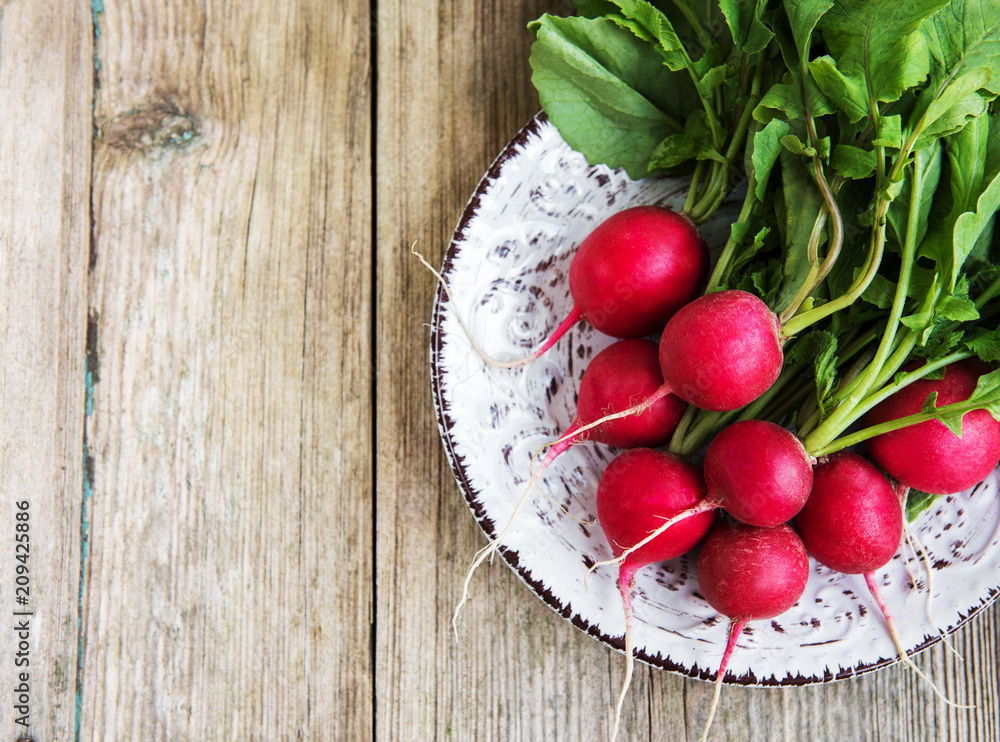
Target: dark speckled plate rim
[457, 463]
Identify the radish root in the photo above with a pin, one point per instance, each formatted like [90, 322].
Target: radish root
[626, 581]
[491, 548]
[704, 506]
[920, 552]
[636, 409]
[736, 626]
[898, 642]
[564, 326]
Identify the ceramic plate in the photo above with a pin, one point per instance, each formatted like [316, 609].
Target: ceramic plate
[508, 270]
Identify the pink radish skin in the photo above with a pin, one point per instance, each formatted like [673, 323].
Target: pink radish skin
[748, 573]
[721, 351]
[758, 472]
[852, 521]
[632, 273]
[928, 456]
[636, 269]
[638, 489]
[618, 376]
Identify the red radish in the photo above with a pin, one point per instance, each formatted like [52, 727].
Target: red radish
[618, 376]
[755, 470]
[928, 456]
[719, 352]
[631, 274]
[748, 573]
[636, 269]
[852, 522]
[759, 472]
[638, 489]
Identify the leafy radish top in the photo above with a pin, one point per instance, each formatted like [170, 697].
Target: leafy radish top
[867, 136]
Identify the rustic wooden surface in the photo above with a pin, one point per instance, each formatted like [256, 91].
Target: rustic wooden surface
[215, 397]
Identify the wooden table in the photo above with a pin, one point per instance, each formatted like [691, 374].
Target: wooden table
[215, 397]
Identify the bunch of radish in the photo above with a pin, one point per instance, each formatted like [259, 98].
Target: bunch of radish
[837, 366]
[718, 373]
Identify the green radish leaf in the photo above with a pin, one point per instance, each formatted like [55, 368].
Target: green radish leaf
[594, 8]
[764, 282]
[607, 91]
[784, 100]
[917, 502]
[959, 102]
[711, 79]
[749, 251]
[878, 45]
[650, 23]
[848, 93]
[986, 395]
[745, 20]
[942, 341]
[929, 407]
[951, 420]
[853, 162]
[880, 292]
[803, 16]
[956, 309]
[739, 231]
[802, 204]
[985, 343]
[825, 368]
[765, 147]
[967, 154]
[679, 148]
[964, 42]
[922, 322]
[965, 234]
[818, 348]
[970, 226]
[966, 36]
[671, 152]
[794, 145]
[890, 132]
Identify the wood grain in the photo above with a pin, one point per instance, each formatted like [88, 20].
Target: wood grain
[45, 127]
[228, 594]
[453, 86]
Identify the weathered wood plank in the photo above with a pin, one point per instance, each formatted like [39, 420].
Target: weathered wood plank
[45, 149]
[453, 88]
[229, 591]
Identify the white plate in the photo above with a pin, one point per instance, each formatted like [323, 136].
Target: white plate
[508, 270]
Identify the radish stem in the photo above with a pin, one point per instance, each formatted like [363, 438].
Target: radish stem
[626, 581]
[736, 626]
